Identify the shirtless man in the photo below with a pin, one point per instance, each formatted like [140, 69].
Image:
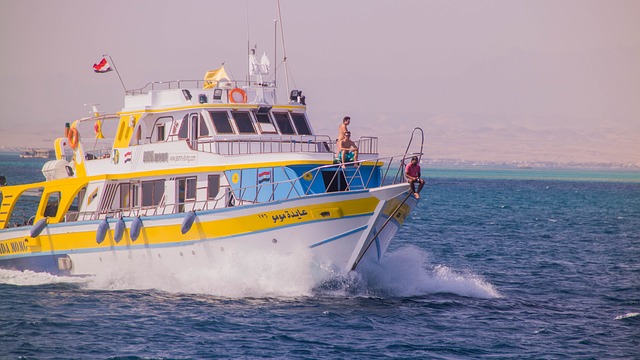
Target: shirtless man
[348, 149]
[412, 173]
[342, 129]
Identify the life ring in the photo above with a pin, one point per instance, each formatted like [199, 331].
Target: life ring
[237, 96]
[73, 137]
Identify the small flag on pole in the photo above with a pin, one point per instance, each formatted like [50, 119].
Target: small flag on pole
[102, 67]
[97, 128]
[212, 77]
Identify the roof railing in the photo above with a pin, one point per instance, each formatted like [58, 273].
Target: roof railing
[367, 145]
[197, 84]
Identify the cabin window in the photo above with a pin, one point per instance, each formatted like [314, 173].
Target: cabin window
[221, 122]
[128, 196]
[137, 136]
[301, 124]
[192, 186]
[243, 122]
[213, 186]
[203, 129]
[160, 135]
[161, 127]
[183, 133]
[264, 122]
[25, 208]
[152, 192]
[53, 201]
[187, 188]
[74, 209]
[284, 124]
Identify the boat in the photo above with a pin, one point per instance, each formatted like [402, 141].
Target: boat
[187, 169]
[38, 153]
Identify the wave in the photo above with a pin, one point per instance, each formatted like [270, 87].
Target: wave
[242, 274]
[627, 316]
[31, 278]
[406, 272]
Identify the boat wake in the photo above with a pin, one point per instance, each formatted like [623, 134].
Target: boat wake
[406, 273]
[241, 274]
[30, 278]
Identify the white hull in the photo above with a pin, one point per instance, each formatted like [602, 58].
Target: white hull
[339, 244]
[334, 243]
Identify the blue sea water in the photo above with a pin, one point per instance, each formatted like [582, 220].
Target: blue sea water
[491, 264]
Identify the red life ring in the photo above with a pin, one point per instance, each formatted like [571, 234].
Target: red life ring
[237, 96]
[73, 137]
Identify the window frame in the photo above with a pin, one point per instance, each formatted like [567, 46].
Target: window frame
[209, 195]
[156, 194]
[215, 126]
[285, 113]
[249, 119]
[260, 123]
[305, 122]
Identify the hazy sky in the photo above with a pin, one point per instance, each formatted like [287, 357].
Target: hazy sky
[486, 80]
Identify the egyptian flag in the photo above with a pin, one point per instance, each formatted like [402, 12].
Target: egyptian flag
[102, 67]
[264, 176]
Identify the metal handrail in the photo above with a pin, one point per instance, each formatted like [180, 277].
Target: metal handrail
[353, 179]
[338, 169]
[295, 143]
[197, 84]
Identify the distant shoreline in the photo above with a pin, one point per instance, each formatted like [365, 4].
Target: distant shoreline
[552, 174]
[453, 164]
[526, 165]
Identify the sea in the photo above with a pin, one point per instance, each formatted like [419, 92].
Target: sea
[493, 263]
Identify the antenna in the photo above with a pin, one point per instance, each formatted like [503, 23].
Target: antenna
[116, 69]
[275, 54]
[248, 78]
[284, 49]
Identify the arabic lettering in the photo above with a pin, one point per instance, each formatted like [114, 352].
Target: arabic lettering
[294, 214]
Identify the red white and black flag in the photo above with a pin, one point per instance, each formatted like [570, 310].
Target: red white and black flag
[102, 67]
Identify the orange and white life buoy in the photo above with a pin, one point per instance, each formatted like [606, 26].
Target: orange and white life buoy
[237, 96]
[73, 137]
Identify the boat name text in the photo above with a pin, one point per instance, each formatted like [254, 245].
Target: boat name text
[12, 247]
[152, 156]
[297, 214]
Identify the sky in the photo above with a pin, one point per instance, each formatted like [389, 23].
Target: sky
[498, 80]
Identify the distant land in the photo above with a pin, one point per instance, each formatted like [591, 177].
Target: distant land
[456, 163]
[469, 164]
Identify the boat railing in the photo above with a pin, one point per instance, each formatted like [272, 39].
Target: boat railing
[344, 177]
[333, 178]
[161, 209]
[199, 84]
[280, 144]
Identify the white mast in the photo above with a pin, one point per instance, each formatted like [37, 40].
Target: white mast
[284, 50]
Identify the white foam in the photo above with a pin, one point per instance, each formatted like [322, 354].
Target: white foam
[239, 273]
[627, 315]
[30, 278]
[235, 273]
[406, 272]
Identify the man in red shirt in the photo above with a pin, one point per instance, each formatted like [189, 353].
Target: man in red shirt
[412, 173]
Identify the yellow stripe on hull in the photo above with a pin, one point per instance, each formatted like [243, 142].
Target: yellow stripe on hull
[62, 239]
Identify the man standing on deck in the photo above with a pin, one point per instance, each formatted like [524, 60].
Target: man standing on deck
[412, 173]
